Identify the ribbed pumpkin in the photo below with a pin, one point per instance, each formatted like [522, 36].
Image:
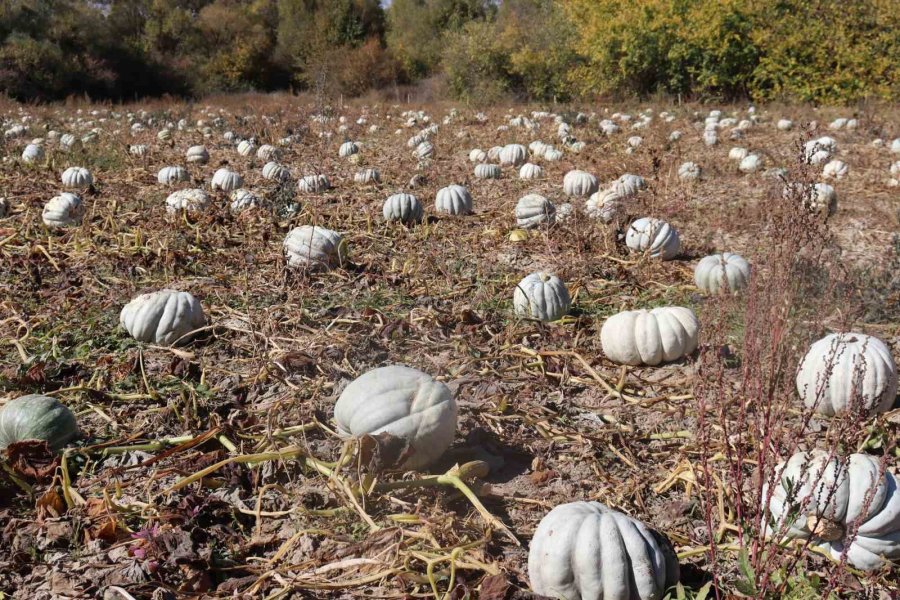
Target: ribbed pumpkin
[192, 200]
[487, 171]
[36, 417]
[579, 184]
[197, 155]
[242, 200]
[650, 337]
[313, 184]
[606, 205]
[313, 247]
[587, 551]
[165, 317]
[530, 171]
[403, 402]
[367, 176]
[823, 497]
[454, 200]
[275, 172]
[654, 236]
[718, 270]
[226, 180]
[77, 178]
[845, 371]
[402, 207]
[542, 296]
[65, 210]
[172, 175]
[533, 210]
[513, 154]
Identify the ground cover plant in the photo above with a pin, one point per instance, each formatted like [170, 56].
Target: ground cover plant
[233, 437]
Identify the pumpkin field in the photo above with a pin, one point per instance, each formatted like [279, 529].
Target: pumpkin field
[259, 346]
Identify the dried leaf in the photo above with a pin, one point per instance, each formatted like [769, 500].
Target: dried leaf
[494, 587]
[32, 459]
[384, 452]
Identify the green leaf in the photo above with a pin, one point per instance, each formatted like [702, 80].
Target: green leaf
[746, 567]
[703, 592]
[748, 589]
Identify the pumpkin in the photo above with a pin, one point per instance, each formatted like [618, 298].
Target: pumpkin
[629, 185]
[192, 201]
[493, 153]
[477, 155]
[710, 137]
[552, 154]
[424, 151]
[403, 402]
[172, 175]
[348, 149]
[895, 146]
[845, 371]
[139, 150]
[513, 154]
[784, 124]
[313, 184]
[606, 205]
[750, 163]
[65, 210]
[821, 497]
[77, 177]
[402, 207]
[242, 200]
[738, 154]
[718, 269]
[275, 172]
[542, 296]
[635, 141]
[654, 236]
[815, 197]
[650, 337]
[268, 152]
[579, 184]
[164, 135]
[33, 153]
[454, 200]
[487, 171]
[587, 551]
[675, 136]
[36, 417]
[313, 247]
[367, 176]
[246, 148]
[533, 210]
[226, 180]
[689, 171]
[530, 171]
[836, 169]
[197, 155]
[165, 317]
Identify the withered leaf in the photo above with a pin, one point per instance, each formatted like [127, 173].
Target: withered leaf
[494, 587]
[32, 459]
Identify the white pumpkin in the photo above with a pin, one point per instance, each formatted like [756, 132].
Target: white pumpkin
[493, 153]
[552, 154]
[65, 210]
[267, 152]
[172, 175]
[405, 403]
[313, 184]
[226, 180]
[689, 171]
[197, 155]
[675, 136]
[710, 137]
[784, 124]
[348, 149]
[487, 171]
[477, 155]
[275, 172]
[750, 163]
[728, 269]
[606, 205]
[650, 337]
[835, 169]
[579, 184]
[366, 176]
[139, 150]
[191, 200]
[453, 199]
[425, 150]
[165, 317]
[402, 207]
[629, 185]
[815, 197]
[530, 171]
[895, 146]
[738, 154]
[542, 296]
[653, 236]
[313, 247]
[242, 200]
[587, 551]
[77, 178]
[848, 371]
[164, 135]
[246, 148]
[821, 497]
[33, 153]
[635, 142]
[513, 154]
[533, 210]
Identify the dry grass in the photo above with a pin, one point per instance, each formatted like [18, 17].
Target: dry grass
[214, 469]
